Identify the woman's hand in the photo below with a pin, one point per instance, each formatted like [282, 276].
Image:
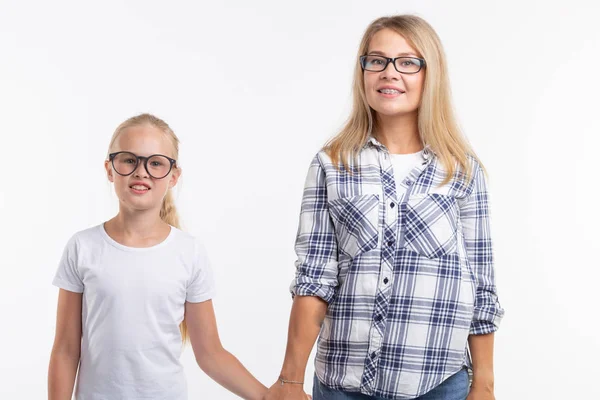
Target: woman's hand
[482, 387]
[481, 393]
[286, 392]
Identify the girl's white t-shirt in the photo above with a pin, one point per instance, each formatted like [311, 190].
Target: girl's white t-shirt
[133, 302]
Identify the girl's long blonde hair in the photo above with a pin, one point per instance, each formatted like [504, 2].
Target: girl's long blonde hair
[437, 124]
[168, 211]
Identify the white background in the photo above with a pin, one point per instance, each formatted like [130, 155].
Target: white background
[525, 81]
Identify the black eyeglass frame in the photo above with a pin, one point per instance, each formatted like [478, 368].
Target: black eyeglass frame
[111, 158]
[389, 60]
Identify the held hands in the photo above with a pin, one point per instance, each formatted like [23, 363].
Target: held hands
[286, 391]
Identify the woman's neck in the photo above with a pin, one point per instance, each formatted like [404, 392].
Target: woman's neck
[399, 134]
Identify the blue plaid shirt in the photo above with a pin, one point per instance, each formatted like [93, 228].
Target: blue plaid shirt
[405, 267]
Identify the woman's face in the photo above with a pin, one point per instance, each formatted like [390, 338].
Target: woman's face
[389, 92]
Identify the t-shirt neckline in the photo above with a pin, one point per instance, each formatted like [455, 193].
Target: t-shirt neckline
[120, 246]
[409, 155]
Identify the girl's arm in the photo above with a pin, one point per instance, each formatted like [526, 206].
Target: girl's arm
[213, 359]
[64, 359]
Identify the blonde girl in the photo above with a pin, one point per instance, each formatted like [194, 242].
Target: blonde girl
[135, 288]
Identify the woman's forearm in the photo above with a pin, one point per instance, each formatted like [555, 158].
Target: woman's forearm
[225, 369]
[482, 355]
[61, 375]
[306, 318]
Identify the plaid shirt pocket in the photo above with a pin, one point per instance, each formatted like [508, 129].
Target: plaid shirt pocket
[431, 223]
[356, 221]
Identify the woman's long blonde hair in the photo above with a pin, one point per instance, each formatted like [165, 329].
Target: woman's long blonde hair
[436, 121]
[168, 211]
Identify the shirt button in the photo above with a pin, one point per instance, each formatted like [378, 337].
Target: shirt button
[391, 243]
[392, 204]
[373, 355]
[408, 183]
[378, 318]
[386, 280]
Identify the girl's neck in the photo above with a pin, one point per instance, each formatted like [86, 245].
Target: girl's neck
[399, 134]
[137, 229]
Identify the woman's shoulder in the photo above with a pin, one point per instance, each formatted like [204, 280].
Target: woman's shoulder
[322, 158]
[326, 160]
[462, 179]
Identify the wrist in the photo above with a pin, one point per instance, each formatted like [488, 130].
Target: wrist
[284, 381]
[292, 374]
[289, 388]
[483, 379]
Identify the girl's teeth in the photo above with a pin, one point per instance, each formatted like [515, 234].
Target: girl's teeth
[139, 187]
[389, 91]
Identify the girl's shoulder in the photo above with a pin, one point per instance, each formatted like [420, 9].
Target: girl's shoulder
[88, 235]
[184, 238]
[188, 243]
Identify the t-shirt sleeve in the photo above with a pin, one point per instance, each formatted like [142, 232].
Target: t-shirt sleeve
[201, 286]
[67, 275]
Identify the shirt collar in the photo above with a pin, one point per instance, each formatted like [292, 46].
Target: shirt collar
[428, 154]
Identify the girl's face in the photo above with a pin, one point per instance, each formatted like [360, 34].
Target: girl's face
[140, 191]
[390, 92]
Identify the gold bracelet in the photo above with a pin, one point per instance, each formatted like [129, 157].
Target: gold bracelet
[292, 382]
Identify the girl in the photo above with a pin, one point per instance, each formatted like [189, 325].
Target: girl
[132, 288]
[394, 271]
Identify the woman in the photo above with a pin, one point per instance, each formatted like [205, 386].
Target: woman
[394, 271]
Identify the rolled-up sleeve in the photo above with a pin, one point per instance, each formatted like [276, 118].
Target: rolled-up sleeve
[316, 246]
[474, 214]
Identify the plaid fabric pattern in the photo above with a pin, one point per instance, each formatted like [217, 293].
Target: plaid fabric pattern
[406, 268]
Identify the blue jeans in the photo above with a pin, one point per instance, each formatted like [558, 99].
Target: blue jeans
[454, 388]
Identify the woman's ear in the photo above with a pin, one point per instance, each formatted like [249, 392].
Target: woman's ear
[109, 171]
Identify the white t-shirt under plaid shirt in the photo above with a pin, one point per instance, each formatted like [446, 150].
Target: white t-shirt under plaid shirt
[133, 302]
[406, 267]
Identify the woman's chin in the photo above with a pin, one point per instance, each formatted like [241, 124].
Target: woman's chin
[396, 112]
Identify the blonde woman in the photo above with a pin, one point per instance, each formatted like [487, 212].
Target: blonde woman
[394, 271]
[127, 284]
